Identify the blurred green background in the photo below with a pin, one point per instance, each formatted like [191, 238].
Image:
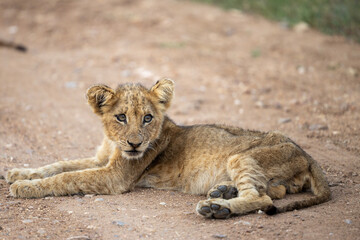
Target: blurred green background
[341, 17]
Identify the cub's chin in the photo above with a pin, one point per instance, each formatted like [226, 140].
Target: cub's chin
[133, 154]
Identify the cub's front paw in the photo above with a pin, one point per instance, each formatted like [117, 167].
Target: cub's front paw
[21, 174]
[26, 189]
[214, 208]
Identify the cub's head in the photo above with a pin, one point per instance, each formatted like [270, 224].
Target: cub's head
[131, 114]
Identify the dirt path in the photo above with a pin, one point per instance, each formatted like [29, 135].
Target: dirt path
[229, 68]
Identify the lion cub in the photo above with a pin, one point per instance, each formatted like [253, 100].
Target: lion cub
[240, 170]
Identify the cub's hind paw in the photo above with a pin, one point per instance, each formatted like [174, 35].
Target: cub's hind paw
[214, 208]
[225, 191]
[21, 174]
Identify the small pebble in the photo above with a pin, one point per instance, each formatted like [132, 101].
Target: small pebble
[144, 73]
[260, 104]
[79, 238]
[219, 236]
[41, 231]
[243, 222]
[29, 151]
[352, 72]
[9, 145]
[163, 203]
[99, 200]
[13, 29]
[118, 223]
[301, 70]
[237, 102]
[27, 221]
[149, 229]
[71, 85]
[348, 221]
[277, 106]
[314, 127]
[284, 120]
[294, 102]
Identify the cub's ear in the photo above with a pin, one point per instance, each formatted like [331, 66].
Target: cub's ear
[163, 91]
[100, 98]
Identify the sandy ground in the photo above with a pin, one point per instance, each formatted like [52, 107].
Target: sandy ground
[229, 68]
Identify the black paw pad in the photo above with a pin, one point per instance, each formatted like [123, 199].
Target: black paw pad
[222, 188]
[232, 193]
[205, 211]
[215, 206]
[215, 194]
[223, 213]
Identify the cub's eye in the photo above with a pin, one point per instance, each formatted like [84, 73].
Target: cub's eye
[148, 118]
[121, 118]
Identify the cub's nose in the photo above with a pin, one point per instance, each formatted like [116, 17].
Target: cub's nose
[134, 145]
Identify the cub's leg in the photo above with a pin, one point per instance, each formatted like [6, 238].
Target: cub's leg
[91, 181]
[51, 169]
[101, 159]
[225, 190]
[252, 172]
[251, 184]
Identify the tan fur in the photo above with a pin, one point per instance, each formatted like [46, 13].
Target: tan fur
[239, 170]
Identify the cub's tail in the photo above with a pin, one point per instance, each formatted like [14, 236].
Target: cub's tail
[319, 188]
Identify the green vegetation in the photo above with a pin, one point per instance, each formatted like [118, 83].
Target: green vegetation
[172, 44]
[330, 16]
[256, 53]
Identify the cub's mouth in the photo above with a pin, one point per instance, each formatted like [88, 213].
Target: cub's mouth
[133, 154]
